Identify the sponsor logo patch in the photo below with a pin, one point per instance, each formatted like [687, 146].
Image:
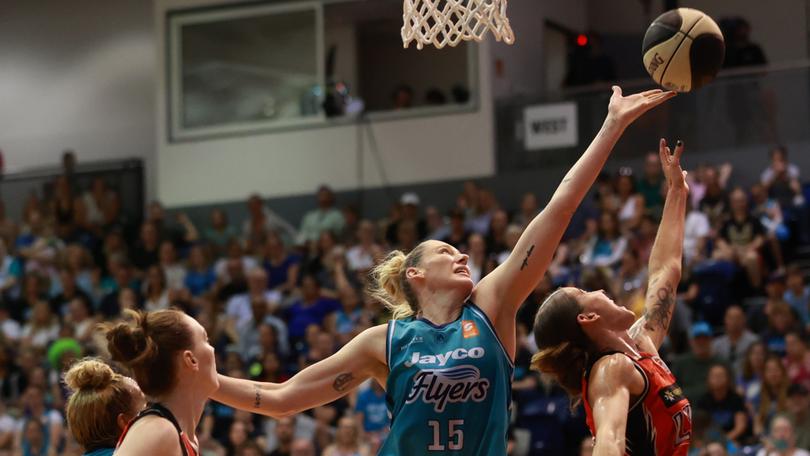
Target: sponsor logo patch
[469, 329]
[671, 395]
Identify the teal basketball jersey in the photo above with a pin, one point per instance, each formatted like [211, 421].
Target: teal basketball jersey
[449, 387]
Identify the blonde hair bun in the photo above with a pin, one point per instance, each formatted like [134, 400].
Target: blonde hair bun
[89, 374]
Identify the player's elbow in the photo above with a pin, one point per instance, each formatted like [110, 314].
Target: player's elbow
[669, 270]
[673, 264]
[673, 268]
[270, 401]
[609, 444]
[281, 414]
[276, 412]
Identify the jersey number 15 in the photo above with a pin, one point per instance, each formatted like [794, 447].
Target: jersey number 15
[455, 436]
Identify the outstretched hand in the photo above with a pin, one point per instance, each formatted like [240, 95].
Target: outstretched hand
[671, 164]
[628, 109]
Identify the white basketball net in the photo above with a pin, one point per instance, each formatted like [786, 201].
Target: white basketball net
[449, 22]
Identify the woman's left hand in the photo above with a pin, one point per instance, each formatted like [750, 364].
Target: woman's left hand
[671, 164]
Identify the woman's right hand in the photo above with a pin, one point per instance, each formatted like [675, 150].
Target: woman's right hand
[671, 165]
[626, 109]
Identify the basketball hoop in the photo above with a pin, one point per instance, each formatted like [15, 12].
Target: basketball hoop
[449, 22]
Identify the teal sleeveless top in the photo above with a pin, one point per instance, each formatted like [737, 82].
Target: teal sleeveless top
[449, 387]
[101, 452]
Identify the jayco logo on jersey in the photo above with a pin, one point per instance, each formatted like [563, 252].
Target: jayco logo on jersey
[442, 358]
[442, 386]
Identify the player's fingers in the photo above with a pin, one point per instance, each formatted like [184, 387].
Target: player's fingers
[649, 93]
[663, 153]
[678, 151]
[661, 97]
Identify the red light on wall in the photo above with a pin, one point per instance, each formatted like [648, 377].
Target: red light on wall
[582, 40]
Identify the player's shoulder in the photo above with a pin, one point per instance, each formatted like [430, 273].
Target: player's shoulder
[374, 333]
[617, 364]
[371, 346]
[372, 341]
[155, 425]
[151, 433]
[614, 371]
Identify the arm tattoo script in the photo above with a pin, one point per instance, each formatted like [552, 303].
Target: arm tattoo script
[657, 317]
[526, 260]
[342, 382]
[257, 401]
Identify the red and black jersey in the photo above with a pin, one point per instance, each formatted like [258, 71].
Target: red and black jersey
[158, 410]
[659, 421]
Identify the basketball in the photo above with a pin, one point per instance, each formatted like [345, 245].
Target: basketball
[683, 49]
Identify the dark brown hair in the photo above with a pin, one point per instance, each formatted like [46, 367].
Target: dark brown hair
[563, 347]
[147, 345]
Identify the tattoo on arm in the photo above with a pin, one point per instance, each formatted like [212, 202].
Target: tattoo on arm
[342, 382]
[658, 315]
[526, 260]
[257, 401]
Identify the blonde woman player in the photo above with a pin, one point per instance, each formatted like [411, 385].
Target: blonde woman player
[445, 359]
[100, 406]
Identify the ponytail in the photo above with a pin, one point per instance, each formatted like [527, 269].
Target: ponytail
[389, 283]
[563, 347]
[566, 362]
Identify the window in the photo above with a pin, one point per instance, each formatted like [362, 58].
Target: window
[234, 70]
[241, 68]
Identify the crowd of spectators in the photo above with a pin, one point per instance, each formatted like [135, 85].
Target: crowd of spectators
[275, 298]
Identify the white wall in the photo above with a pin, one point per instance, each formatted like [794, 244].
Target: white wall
[295, 162]
[79, 75]
[780, 27]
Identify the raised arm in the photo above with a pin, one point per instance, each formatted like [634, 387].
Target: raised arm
[500, 293]
[666, 256]
[323, 382]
